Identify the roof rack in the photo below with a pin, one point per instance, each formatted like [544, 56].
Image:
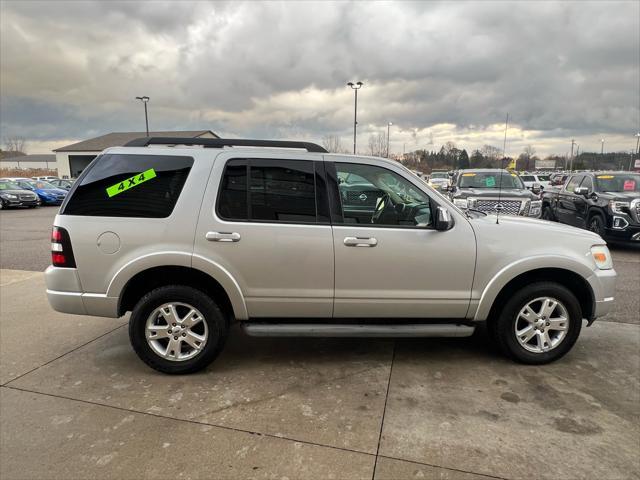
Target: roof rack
[224, 142]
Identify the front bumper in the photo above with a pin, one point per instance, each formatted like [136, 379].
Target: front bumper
[603, 285]
[6, 203]
[29, 203]
[65, 295]
[629, 234]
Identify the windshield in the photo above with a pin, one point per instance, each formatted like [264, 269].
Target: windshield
[543, 178]
[439, 175]
[490, 180]
[9, 186]
[527, 178]
[618, 182]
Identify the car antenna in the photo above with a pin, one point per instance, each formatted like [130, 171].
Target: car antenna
[504, 148]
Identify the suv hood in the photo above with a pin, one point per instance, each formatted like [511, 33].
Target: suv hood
[494, 192]
[532, 231]
[17, 192]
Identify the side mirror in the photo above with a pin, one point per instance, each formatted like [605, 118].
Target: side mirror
[536, 188]
[443, 219]
[584, 191]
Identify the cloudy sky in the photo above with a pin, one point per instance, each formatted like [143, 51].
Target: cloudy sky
[440, 71]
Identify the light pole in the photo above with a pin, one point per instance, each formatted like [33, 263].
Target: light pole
[601, 150]
[573, 142]
[145, 100]
[355, 86]
[388, 127]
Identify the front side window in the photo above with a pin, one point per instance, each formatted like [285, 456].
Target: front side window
[124, 185]
[380, 197]
[587, 183]
[573, 183]
[266, 190]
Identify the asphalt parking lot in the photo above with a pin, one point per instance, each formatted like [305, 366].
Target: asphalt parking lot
[76, 402]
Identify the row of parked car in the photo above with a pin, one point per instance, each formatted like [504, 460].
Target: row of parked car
[607, 203]
[32, 192]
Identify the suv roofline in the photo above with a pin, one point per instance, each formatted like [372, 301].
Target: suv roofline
[225, 142]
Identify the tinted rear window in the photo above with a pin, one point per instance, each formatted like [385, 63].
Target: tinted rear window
[118, 185]
[278, 191]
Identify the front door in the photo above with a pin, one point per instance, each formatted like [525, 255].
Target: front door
[389, 260]
[566, 209]
[265, 221]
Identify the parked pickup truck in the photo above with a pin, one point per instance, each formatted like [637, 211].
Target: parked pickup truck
[493, 190]
[607, 203]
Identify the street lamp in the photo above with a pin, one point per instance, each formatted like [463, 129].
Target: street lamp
[388, 127]
[355, 86]
[144, 100]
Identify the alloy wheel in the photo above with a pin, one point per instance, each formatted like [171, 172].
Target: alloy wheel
[176, 331]
[541, 325]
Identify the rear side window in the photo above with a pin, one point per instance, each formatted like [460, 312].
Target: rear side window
[265, 190]
[117, 185]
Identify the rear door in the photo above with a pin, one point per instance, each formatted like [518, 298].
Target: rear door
[265, 220]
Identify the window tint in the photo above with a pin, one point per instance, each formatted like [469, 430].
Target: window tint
[587, 183]
[279, 191]
[232, 203]
[118, 185]
[573, 183]
[384, 198]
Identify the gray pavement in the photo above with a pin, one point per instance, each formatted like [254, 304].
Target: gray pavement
[75, 401]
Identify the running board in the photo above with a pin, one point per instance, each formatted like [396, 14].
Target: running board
[261, 329]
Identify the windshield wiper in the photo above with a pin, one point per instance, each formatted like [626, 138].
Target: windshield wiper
[475, 210]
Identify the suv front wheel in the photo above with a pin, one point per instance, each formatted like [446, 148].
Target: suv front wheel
[177, 329]
[538, 324]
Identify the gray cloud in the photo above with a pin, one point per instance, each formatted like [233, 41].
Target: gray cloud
[71, 69]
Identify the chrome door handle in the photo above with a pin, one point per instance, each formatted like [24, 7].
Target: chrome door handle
[222, 236]
[360, 241]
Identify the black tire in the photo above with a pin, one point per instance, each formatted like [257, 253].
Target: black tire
[547, 214]
[502, 327]
[596, 224]
[216, 322]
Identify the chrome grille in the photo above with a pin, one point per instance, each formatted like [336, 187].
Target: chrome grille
[366, 197]
[27, 197]
[511, 207]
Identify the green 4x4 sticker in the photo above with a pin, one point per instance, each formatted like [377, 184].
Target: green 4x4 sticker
[131, 182]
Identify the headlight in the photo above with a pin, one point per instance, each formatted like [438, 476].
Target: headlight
[8, 196]
[618, 207]
[460, 202]
[602, 257]
[535, 207]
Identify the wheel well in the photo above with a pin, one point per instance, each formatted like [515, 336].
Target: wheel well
[147, 280]
[595, 211]
[571, 280]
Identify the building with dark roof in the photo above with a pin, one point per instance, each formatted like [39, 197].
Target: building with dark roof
[72, 159]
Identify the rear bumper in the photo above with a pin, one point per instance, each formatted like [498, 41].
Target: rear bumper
[65, 295]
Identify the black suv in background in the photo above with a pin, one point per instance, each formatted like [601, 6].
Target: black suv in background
[607, 203]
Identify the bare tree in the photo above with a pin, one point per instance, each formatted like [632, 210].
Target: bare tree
[15, 145]
[333, 144]
[377, 145]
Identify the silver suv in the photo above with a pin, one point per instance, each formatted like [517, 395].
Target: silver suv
[190, 235]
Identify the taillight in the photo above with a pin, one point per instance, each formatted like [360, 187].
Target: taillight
[61, 251]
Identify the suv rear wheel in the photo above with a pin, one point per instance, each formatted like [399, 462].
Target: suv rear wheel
[539, 323]
[177, 329]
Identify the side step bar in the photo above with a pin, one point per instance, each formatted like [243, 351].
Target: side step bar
[262, 329]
